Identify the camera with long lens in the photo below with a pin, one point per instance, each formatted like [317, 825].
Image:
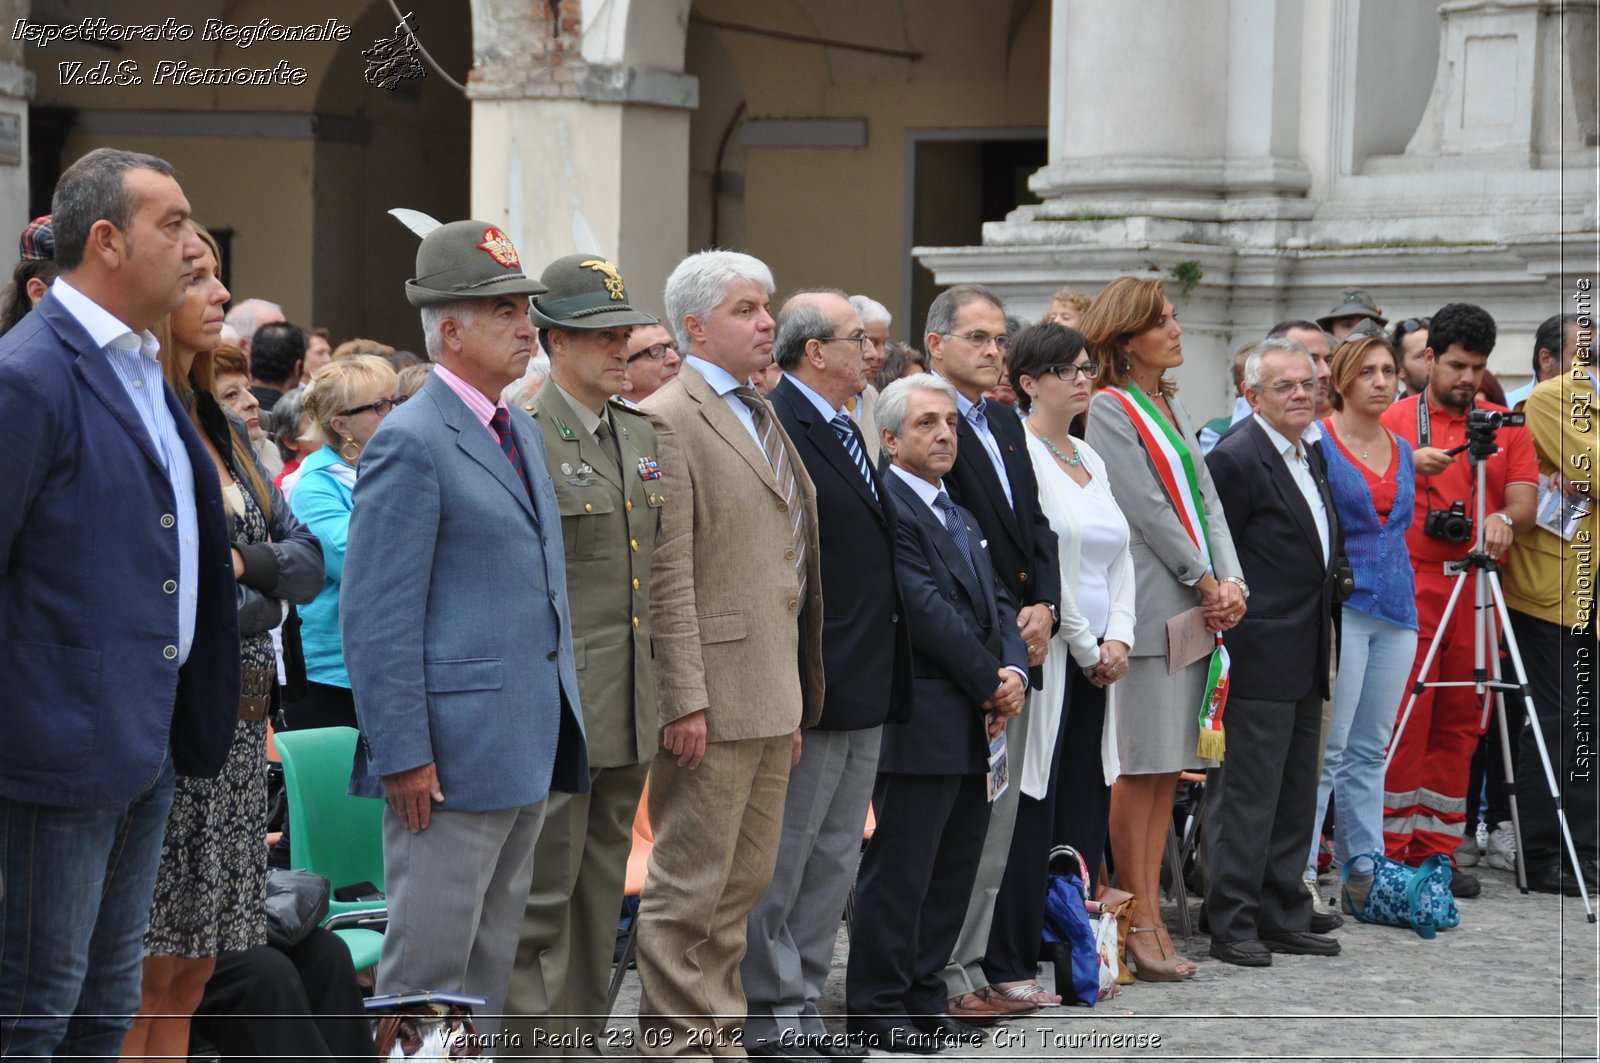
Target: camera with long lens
[1449, 525]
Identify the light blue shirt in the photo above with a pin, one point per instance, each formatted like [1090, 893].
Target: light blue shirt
[723, 383]
[990, 446]
[816, 400]
[134, 359]
[1520, 395]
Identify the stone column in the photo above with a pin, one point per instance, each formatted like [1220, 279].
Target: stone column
[1171, 108]
[586, 120]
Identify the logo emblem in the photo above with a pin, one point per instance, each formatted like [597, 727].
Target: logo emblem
[609, 271]
[498, 244]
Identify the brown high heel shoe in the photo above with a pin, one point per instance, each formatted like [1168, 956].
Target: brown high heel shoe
[1162, 968]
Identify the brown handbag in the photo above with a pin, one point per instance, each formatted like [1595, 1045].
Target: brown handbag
[1120, 905]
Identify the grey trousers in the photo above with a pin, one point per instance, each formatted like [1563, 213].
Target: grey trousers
[1258, 804]
[964, 972]
[456, 895]
[791, 931]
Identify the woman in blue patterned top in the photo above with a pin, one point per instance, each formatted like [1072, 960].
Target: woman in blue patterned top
[1372, 481]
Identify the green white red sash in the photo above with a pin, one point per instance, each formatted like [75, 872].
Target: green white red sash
[1174, 464]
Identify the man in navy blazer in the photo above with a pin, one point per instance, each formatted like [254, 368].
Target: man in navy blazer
[970, 669]
[456, 633]
[866, 653]
[993, 479]
[119, 637]
[1261, 800]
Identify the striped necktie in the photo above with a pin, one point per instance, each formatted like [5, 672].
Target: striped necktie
[845, 429]
[778, 457]
[501, 423]
[957, 527]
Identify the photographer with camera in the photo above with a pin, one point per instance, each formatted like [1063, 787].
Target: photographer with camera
[1425, 790]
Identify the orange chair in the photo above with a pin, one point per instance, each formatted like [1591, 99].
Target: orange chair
[644, 842]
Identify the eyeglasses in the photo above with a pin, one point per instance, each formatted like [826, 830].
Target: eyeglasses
[981, 340]
[655, 352]
[1066, 372]
[860, 339]
[1412, 324]
[381, 407]
[1286, 388]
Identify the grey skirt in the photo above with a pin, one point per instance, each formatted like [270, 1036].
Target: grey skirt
[1158, 716]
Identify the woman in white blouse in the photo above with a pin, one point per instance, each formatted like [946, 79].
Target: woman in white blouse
[1065, 796]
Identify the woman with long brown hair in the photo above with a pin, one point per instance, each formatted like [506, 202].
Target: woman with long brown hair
[210, 891]
[1183, 557]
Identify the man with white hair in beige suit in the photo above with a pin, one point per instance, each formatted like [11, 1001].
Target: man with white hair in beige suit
[737, 612]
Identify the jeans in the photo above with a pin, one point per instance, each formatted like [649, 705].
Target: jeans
[76, 885]
[1375, 658]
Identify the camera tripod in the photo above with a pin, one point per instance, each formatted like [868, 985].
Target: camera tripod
[1489, 601]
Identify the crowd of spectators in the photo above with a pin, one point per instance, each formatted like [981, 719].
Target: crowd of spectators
[756, 576]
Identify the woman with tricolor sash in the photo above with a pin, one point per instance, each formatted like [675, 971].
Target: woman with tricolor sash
[1183, 557]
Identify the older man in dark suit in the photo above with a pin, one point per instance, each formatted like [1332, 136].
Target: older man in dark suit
[464, 682]
[970, 671]
[866, 657]
[993, 478]
[1260, 801]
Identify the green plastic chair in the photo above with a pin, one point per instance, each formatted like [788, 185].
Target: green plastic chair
[333, 833]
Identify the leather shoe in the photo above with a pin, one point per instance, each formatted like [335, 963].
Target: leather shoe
[792, 1052]
[832, 1046]
[1300, 943]
[1247, 953]
[949, 1031]
[898, 1038]
[1322, 922]
[1464, 885]
[1557, 879]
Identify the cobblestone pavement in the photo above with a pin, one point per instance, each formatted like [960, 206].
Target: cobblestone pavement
[1517, 980]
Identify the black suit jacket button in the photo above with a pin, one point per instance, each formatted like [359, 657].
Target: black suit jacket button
[1022, 577]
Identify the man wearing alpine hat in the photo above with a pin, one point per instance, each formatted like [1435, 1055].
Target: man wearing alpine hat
[601, 454]
[1353, 311]
[454, 618]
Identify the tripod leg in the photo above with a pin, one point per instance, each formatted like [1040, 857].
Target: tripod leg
[1544, 753]
[1508, 764]
[1427, 663]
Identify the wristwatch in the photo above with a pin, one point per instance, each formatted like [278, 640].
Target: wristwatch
[1238, 581]
[1502, 517]
[1055, 617]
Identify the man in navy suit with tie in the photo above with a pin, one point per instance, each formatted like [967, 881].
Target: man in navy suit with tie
[866, 655]
[119, 634]
[993, 479]
[970, 676]
[456, 632]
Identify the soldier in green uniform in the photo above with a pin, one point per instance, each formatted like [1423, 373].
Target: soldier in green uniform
[601, 453]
